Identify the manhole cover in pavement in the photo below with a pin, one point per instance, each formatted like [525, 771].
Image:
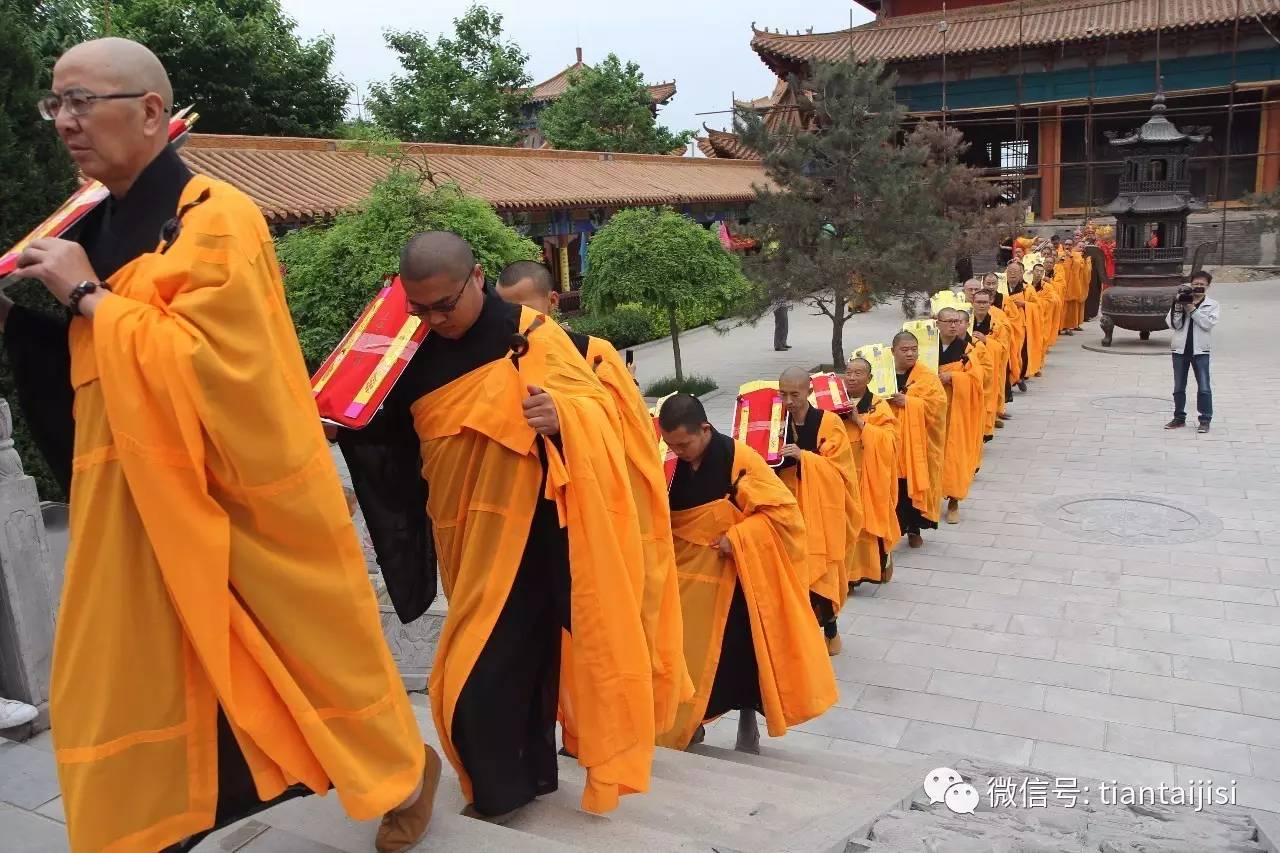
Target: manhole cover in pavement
[1133, 405]
[1120, 519]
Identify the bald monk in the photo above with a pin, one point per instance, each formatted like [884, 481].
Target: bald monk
[508, 440]
[819, 470]
[873, 441]
[991, 330]
[920, 406]
[962, 379]
[529, 283]
[219, 645]
[749, 637]
[1050, 294]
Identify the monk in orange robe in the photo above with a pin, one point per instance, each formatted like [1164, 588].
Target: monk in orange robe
[218, 643]
[962, 379]
[499, 429]
[921, 409]
[873, 441]
[1050, 287]
[1005, 327]
[819, 470]
[991, 329]
[529, 283]
[749, 636]
[1077, 276]
[1026, 323]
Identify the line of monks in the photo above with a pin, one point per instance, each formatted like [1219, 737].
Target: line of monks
[219, 648]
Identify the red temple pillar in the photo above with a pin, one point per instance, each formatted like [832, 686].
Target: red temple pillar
[1050, 158]
[1269, 137]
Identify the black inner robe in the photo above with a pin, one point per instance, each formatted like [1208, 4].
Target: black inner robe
[737, 682]
[504, 723]
[866, 403]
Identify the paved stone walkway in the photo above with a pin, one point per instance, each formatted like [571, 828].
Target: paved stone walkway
[1135, 636]
[1131, 634]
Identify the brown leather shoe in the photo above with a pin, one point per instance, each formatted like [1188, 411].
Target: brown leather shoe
[914, 540]
[403, 828]
[834, 645]
[953, 511]
[1000, 423]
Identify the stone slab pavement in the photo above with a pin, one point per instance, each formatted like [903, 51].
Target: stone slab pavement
[1107, 606]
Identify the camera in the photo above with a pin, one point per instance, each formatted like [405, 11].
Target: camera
[1186, 293]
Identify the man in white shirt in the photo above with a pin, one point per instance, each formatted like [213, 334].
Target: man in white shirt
[1192, 319]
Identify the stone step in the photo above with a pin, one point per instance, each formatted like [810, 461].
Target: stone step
[831, 766]
[700, 800]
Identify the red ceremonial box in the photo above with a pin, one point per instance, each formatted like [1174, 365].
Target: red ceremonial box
[357, 376]
[760, 421]
[829, 393]
[86, 198]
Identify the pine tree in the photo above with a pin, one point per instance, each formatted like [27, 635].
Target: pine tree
[858, 197]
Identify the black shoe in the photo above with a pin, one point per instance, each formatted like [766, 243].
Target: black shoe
[1175, 424]
[1203, 428]
[1022, 386]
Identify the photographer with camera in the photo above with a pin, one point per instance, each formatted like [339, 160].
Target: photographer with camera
[1192, 319]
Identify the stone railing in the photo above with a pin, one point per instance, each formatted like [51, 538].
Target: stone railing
[26, 599]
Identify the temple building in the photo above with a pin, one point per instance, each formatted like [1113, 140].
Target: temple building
[1036, 85]
[556, 198]
[548, 90]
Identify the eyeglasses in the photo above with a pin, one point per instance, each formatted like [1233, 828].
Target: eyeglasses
[77, 102]
[448, 305]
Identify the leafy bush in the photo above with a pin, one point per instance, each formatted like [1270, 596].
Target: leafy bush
[625, 326]
[332, 271]
[692, 384]
[665, 261]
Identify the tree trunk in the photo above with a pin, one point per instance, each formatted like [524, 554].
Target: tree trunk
[675, 343]
[837, 332]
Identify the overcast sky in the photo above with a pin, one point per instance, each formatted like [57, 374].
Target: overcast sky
[703, 44]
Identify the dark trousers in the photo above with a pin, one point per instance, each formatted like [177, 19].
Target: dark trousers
[504, 723]
[826, 613]
[780, 324]
[1182, 365]
[736, 686]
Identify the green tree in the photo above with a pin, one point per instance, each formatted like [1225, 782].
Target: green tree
[331, 271]
[37, 172]
[241, 63]
[663, 260]
[466, 89]
[607, 107]
[856, 198]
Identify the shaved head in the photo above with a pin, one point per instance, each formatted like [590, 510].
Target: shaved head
[114, 139]
[857, 374]
[124, 63]
[795, 386]
[862, 363]
[794, 376]
[903, 337]
[432, 253]
[443, 282]
[529, 283]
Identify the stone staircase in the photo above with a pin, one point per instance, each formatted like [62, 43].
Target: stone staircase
[785, 800]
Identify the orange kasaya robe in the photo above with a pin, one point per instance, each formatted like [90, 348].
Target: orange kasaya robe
[997, 345]
[922, 439]
[966, 412]
[765, 528]
[983, 356]
[213, 562]
[825, 484]
[1033, 318]
[1051, 306]
[1078, 267]
[874, 447]
[660, 601]
[481, 461]
[1012, 310]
